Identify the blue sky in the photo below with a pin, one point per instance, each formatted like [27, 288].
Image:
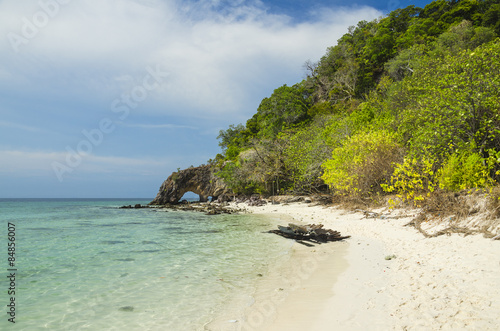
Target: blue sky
[106, 98]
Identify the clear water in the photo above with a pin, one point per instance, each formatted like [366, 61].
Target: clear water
[87, 265]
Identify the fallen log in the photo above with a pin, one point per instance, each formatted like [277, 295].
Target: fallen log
[310, 232]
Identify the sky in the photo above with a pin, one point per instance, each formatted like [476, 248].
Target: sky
[105, 99]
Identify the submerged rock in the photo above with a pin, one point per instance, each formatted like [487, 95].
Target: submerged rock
[136, 206]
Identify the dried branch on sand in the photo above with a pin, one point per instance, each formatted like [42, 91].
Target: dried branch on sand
[311, 232]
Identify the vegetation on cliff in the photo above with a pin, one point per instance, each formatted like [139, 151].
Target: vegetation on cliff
[407, 104]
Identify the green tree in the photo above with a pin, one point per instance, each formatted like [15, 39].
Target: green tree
[286, 107]
[463, 36]
[306, 152]
[230, 136]
[406, 62]
[491, 18]
[454, 103]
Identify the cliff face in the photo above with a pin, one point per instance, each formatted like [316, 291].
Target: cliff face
[199, 180]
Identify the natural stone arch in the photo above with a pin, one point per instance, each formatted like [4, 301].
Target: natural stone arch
[199, 180]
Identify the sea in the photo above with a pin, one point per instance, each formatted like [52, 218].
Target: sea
[86, 264]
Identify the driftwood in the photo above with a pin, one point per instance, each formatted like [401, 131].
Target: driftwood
[311, 232]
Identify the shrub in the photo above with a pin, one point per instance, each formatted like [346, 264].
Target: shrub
[464, 170]
[363, 163]
[413, 180]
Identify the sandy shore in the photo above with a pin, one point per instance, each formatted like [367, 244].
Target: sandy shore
[385, 277]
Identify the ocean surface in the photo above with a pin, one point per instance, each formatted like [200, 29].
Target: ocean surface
[88, 265]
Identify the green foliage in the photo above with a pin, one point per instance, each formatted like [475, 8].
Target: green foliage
[237, 179]
[260, 169]
[491, 18]
[422, 80]
[363, 163]
[320, 109]
[362, 116]
[286, 107]
[406, 62]
[454, 102]
[230, 136]
[304, 155]
[463, 36]
[464, 170]
[413, 180]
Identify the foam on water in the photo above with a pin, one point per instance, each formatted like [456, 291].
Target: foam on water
[85, 265]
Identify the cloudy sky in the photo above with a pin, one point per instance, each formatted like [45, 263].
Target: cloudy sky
[106, 98]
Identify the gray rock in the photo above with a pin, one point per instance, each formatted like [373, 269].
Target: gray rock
[200, 180]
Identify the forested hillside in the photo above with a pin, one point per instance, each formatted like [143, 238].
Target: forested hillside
[407, 104]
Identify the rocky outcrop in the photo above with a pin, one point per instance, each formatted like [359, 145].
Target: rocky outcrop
[200, 180]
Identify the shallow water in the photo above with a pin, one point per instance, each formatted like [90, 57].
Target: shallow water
[87, 265]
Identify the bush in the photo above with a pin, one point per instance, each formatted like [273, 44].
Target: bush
[363, 163]
[413, 180]
[464, 170]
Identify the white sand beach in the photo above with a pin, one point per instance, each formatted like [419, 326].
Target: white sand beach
[385, 277]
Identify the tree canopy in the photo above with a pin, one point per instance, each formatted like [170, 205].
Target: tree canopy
[406, 102]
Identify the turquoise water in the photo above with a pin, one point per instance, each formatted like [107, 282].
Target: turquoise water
[87, 265]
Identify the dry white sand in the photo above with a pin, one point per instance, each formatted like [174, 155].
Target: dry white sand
[448, 282]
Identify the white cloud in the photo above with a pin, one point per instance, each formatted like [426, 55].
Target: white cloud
[222, 57]
[219, 61]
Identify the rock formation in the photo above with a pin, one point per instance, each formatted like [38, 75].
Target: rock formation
[200, 180]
